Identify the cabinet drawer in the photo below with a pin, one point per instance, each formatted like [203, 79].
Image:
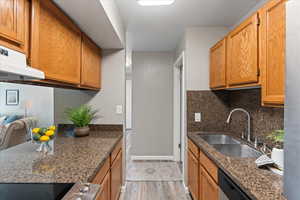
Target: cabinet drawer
[115, 152]
[209, 166]
[103, 171]
[193, 148]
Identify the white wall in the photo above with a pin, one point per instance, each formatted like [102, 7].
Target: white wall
[66, 98]
[152, 78]
[128, 104]
[113, 13]
[113, 88]
[198, 41]
[111, 94]
[39, 101]
[128, 83]
[251, 12]
[180, 46]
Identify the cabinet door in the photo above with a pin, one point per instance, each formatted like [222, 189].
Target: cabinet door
[12, 23]
[105, 186]
[209, 189]
[56, 43]
[272, 52]
[218, 65]
[242, 66]
[91, 64]
[116, 177]
[193, 175]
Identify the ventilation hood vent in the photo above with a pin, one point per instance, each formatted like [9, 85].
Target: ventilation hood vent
[13, 67]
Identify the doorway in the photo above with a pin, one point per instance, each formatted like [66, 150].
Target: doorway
[179, 111]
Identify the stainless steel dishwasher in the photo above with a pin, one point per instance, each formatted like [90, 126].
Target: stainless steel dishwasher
[229, 190]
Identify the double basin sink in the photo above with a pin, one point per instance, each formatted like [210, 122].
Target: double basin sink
[230, 147]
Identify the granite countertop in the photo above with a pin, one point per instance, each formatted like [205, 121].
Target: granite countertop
[74, 159]
[257, 183]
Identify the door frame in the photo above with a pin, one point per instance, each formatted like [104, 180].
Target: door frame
[179, 129]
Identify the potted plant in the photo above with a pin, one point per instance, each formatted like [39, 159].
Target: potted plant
[277, 155]
[81, 118]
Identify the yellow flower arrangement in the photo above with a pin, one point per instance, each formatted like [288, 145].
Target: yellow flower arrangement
[49, 133]
[44, 138]
[53, 128]
[43, 134]
[36, 130]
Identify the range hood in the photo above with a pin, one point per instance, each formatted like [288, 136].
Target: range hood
[13, 67]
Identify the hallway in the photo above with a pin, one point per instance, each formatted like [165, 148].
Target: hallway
[155, 190]
[159, 180]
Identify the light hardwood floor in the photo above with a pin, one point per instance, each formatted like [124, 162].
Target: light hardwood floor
[155, 190]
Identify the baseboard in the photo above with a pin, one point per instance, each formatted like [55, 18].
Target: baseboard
[123, 188]
[187, 191]
[171, 158]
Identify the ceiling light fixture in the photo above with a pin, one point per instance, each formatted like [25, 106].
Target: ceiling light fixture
[155, 2]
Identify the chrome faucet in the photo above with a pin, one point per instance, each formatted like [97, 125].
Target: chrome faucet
[249, 121]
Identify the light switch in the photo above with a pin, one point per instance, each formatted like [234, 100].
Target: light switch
[197, 117]
[119, 109]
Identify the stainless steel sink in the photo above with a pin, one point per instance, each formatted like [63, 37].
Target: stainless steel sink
[219, 139]
[229, 146]
[237, 150]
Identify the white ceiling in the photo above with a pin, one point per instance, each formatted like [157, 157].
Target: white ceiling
[95, 18]
[161, 28]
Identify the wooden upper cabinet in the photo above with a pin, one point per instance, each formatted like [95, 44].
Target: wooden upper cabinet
[90, 64]
[242, 66]
[272, 52]
[55, 43]
[218, 65]
[12, 24]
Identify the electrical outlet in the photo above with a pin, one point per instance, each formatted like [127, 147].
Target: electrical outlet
[119, 109]
[198, 117]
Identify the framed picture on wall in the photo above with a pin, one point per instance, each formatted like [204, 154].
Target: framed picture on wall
[12, 97]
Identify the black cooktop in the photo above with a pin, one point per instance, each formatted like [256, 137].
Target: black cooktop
[34, 191]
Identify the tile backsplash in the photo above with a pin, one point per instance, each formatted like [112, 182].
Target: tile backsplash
[215, 107]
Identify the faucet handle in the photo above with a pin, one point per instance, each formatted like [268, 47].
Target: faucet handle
[243, 135]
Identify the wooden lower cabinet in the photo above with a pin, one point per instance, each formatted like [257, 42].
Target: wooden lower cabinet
[105, 191]
[208, 187]
[193, 175]
[110, 176]
[202, 175]
[116, 177]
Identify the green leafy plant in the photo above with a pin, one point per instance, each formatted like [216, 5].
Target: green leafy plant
[277, 136]
[81, 116]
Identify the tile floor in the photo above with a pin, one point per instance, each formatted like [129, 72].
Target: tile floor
[155, 190]
[152, 180]
[153, 171]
